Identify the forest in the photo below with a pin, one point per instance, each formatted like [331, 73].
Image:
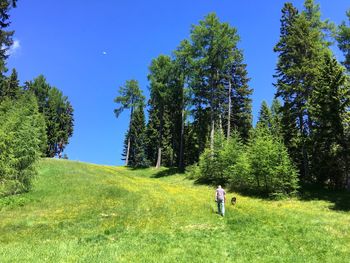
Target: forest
[200, 108]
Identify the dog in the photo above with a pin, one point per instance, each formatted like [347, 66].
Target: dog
[233, 200]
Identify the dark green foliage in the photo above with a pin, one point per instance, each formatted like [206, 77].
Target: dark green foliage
[270, 165]
[9, 86]
[329, 105]
[58, 113]
[59, 121]
[137, 133]
[40, 88]
[22, 136]
[265, 116]
[166, 105]
[199, 131]
[276, 118]
[343, 38]
[315, 96]
[270, 118]
[130, 97]
[152, 136]
[301, 48]
[214, 74]
[213, 46]
[191, 147]
[5, 36]
[241, 119]
[182, 68]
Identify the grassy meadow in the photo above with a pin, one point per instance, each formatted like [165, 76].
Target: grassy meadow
[78, 212]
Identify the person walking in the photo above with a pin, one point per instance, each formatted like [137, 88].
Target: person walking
[220, 198]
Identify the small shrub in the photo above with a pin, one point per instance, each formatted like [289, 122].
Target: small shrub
[220, 165]
[270, 164]
[193, 171]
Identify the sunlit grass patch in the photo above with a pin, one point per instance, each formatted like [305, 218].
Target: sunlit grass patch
[79, 212]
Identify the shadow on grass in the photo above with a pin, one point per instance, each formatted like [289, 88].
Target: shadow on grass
[231, 191]
[340, 199]
[138, 168]
[167, 172]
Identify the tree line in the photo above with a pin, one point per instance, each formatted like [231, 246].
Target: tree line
[200, 94]
[36, 119]
[200, 89]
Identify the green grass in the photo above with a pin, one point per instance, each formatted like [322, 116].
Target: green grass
[81, 212]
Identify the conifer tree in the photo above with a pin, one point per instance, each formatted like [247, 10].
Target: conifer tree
[213, 45]
[329, 104]
[40, 88]
[136, 134]
[343, 38]
[265, 116]
[182, 64]
[5, 35]
[152, 134]
[301, 47]
[241, 112]
[130, 97]
[9, 87]
[276, 118]
[59, 122]
[58, 113]
[219, 83]
[22, 135]
[160, 87]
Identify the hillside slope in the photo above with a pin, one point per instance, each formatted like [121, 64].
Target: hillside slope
[80, 212]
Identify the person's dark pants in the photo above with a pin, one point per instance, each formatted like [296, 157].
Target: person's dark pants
[221, 207]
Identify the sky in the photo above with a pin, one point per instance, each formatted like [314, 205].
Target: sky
[89, 48]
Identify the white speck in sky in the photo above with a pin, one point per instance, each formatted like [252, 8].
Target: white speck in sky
[104, 53]
[14, 48]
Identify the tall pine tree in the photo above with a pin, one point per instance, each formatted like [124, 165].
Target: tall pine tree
[5, 35]
[343, 38]
[160, 125]
[265, 116]
[58, 113]
[130, 97]
[301, 48]
[136, 134]
[329, 103]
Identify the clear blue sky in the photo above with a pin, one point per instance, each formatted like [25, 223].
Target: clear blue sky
[88, 48]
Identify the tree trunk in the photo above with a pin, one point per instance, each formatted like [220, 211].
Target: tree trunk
[229, 111]
[159, 158]
[347, 181]
[212, 124]
[127, 152]
[346, 162]
[220, 120]
[128, 149]
[181, 161]
[304, 150]
[212, 131]
[266, 187]
[258, 182]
